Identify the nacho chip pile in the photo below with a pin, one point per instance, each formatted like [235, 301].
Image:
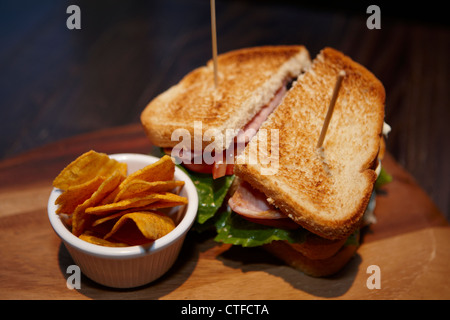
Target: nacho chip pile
[106, 207]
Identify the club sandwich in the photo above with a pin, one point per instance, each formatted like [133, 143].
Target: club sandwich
[303, 204]
[203, 125]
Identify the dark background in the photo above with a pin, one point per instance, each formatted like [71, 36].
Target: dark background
[56, 82]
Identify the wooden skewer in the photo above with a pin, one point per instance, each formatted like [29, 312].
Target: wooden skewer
[214, 39]
[337, 86]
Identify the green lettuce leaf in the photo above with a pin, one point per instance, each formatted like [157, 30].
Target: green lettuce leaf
[353, 239]
[382, 179]
[233, 229]
[211, 193]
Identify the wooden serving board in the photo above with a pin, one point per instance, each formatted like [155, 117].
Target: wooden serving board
[410, 243]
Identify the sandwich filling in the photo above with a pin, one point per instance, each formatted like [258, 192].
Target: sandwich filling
[226, 167]
[254, 206]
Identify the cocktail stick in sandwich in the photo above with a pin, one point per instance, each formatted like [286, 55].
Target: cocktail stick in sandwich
[194, 116]
[309, 209]
[324, 192]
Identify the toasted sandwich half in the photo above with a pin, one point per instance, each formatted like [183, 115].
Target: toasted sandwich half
[309, 210]
[318, 195]
[194, 115]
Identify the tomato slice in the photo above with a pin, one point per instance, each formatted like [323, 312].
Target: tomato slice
[219, 170]
[200, 168]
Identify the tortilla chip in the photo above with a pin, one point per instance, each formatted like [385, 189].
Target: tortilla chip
[87, 167]
[80, 219]
[109, 217]
[138, 187]
[76, 195]
[161, 170]
[121, 205]
[151, 225]
[101, 242]
[136, 203]
[100, 202]
[161, 205]
[110, 198]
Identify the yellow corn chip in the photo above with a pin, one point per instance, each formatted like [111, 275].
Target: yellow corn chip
[80, 220]
[110, 198]
[121, 205]
[76, 195]
[101, 242]
[162, 204]
[161, 170]
[109, 217]
[86, 167]
[138, 187]
[151, 225]
[99, 201]
[136, 203]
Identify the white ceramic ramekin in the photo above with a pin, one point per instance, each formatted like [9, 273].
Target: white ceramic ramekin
[127, 267]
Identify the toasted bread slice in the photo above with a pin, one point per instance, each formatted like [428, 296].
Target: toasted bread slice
[324, 190]
[247, 80]
[318, 248]
[312, 267]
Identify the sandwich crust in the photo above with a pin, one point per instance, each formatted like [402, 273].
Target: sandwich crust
[247, 80]
[312, 267]
[324, 190]
[318, 248]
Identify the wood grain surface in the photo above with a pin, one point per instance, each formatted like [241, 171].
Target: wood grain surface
[410, 243]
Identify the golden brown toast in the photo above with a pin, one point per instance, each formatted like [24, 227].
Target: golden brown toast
[317, 248]
[326, 191]
[313, 267]
[247, 80]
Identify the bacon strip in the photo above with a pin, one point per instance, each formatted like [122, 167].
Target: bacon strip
[251, 203]
[250, 130]
[221, 169]
[253, 126]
